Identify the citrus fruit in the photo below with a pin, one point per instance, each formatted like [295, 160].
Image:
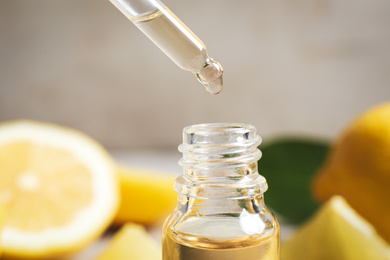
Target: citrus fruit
[132, 242]
[58, 187]
[335, 232]
[146, 196]
[358, 168]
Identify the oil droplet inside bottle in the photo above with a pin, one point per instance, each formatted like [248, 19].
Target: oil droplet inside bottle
[211, 76]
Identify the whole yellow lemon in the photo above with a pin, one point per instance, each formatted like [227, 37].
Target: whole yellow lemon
[358, 168]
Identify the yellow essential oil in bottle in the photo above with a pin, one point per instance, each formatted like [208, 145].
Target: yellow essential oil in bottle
[221, 212]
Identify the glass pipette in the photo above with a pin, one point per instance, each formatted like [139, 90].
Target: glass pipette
[175, 39]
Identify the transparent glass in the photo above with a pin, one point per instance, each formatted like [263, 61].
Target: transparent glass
[175, 39]
[221, 212]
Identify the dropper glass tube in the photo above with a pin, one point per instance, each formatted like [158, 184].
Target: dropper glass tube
[175, 39]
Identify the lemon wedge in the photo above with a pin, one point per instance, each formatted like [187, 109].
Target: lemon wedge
[146, 196]
[58, 187]
[132, 242]
[336, 232]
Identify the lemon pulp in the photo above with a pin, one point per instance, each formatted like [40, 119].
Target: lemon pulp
[58, 187]
[51, 183]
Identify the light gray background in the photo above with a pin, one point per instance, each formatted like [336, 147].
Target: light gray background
[291, 66]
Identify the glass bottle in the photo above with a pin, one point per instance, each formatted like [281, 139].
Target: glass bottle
[220, 213]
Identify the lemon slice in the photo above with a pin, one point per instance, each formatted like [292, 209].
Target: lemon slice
[58, 187]
[132, 242]
[336, 232]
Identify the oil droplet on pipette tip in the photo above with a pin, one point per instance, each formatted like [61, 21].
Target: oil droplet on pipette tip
[215, 87]
[211, 76]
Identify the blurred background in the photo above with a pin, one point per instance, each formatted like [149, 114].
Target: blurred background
[298, 67]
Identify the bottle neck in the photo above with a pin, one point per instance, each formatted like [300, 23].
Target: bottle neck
[237, 182]
[234, 207]
[220, 162]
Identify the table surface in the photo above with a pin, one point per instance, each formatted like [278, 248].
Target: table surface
[164, 161]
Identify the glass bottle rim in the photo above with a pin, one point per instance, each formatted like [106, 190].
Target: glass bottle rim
[206, 138]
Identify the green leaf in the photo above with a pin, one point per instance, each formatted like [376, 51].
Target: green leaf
[289, 165]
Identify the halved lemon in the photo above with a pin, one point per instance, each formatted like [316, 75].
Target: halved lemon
[58, 187]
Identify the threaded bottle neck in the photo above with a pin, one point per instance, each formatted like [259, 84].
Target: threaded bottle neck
[220, 160]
